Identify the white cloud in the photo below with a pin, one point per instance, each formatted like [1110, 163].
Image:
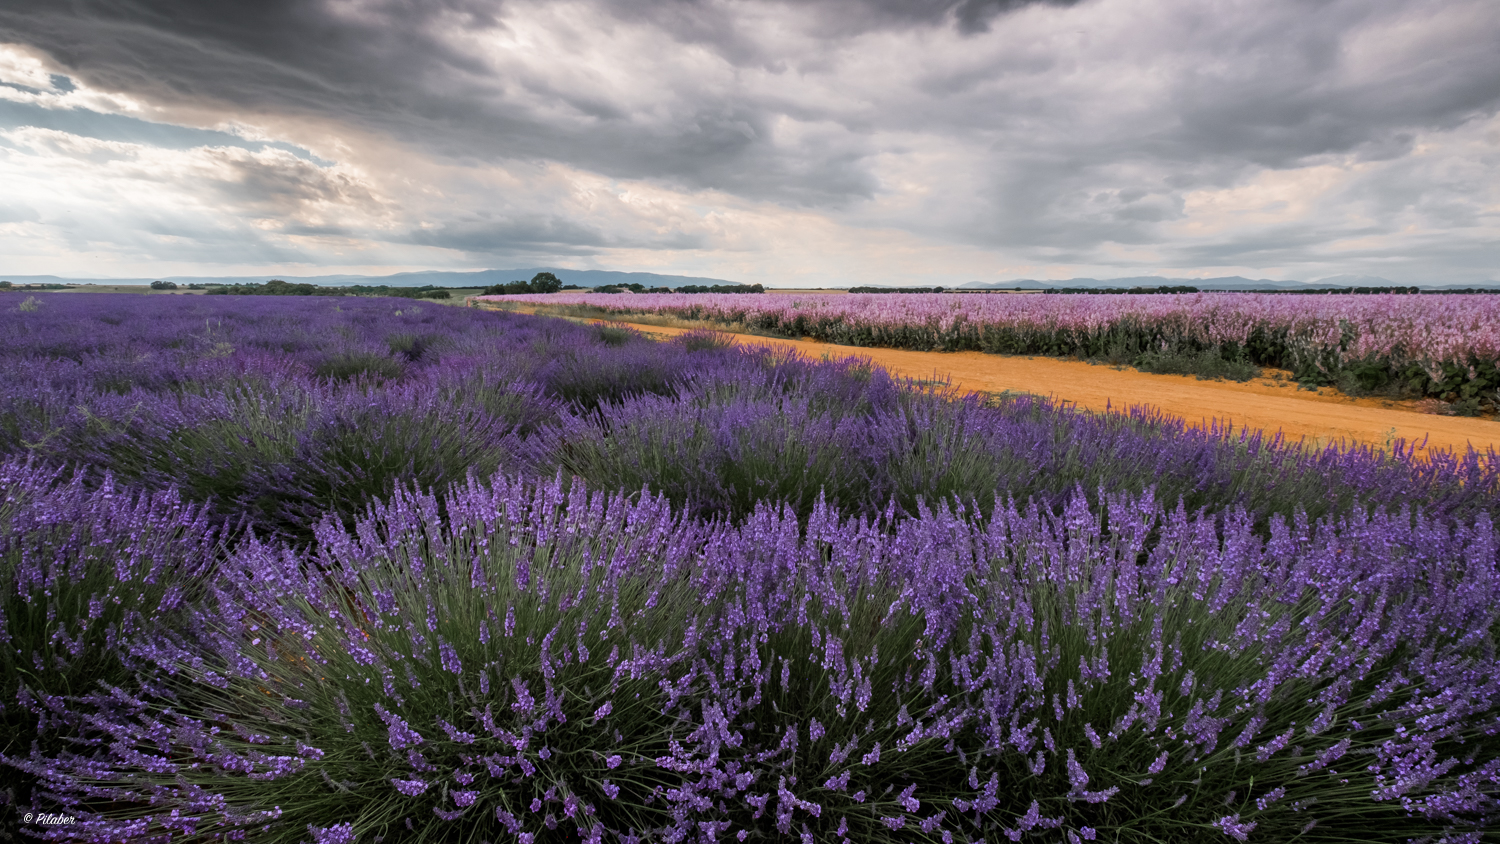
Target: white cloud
[22, 67]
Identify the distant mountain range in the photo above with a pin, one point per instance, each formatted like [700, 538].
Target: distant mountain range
[1233, 282]
[596, 278]
[438, 278]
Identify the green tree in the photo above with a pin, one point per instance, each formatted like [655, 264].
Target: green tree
[163, 285]
[546, 283]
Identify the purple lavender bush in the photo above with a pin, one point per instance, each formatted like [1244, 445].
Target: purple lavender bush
[722, 448]
[552, 663]
[225, 401]
[89, 576]
[273, 418]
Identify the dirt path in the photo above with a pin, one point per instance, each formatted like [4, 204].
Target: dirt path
[1315, 418]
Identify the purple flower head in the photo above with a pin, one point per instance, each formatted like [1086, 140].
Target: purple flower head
[399, 733]
[1077, 777]
[907, 801]
[337, 834]
[1231, 826]
[449, 656]
[411, 788]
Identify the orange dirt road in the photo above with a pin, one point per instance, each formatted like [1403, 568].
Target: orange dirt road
[1315, 418]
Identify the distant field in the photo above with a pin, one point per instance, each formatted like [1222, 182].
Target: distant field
[458, 294]
[124, 288]
[1441, 347]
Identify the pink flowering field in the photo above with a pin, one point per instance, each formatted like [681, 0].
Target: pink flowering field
[1454, 340]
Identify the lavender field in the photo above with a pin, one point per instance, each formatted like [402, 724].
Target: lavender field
[1445, 346]
[376, 570]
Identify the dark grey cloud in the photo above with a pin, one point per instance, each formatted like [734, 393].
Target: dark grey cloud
[1240, 100]
[697, 21]
[970, 16]
[1275, 96]
[378, 65]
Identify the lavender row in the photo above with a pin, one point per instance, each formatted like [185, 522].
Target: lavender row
[528, 661]
[1439, 344]
[281, 411]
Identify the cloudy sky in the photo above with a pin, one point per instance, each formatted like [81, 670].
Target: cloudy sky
[814, 142]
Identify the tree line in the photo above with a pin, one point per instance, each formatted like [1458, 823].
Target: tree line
[540, 283]
[277, 287]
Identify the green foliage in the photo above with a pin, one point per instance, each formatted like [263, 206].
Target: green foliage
[540, 283]
[277, 287]
[1165, 288]
[234, 433]
[413, 347]
[274, 287]
[545, 283]
[1207, 365]
[1468, 407]
[286, 457]
[354, 455]
[353, 365]
[715, 288]
[426, 291]
[716, 461]
[614, 335]
[510, 288]
[698, 341]
[591, 379]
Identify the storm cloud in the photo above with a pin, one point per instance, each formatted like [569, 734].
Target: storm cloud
[839, 140]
